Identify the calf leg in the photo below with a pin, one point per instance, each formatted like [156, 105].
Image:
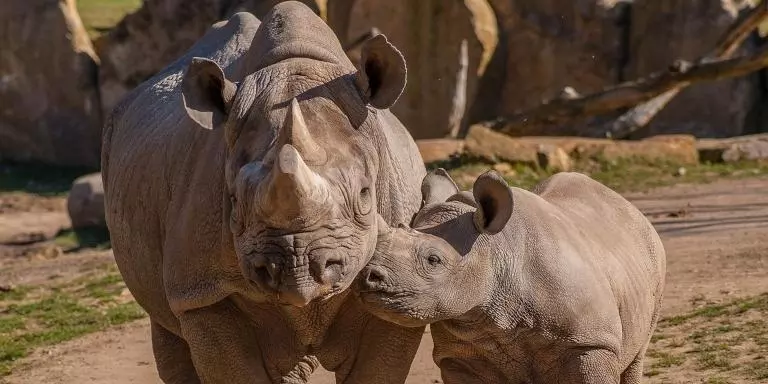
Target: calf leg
[174, 363]
[223, 345]
[589, 366]
[634, 373]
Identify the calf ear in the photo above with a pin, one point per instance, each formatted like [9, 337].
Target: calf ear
[206, 93]
[437, 187]
[494, 201]
[382, 75]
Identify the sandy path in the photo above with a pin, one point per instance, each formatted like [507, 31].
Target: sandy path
[716, 237]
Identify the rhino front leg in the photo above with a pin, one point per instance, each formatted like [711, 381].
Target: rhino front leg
[385, 354]
[223, 345]
[590, 366]
[174, 362]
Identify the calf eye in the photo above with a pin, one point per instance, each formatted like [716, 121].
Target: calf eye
[434, 260]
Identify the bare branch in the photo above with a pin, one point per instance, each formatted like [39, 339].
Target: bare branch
[680, 74]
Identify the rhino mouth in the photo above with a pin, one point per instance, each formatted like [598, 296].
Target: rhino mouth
[390, 307]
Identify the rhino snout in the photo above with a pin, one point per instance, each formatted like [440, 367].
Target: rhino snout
[266, 273]
[322, 274]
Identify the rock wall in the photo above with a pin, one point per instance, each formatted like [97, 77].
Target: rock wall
[446, 45]
[160, 31]
[546, 45]
[49, 103]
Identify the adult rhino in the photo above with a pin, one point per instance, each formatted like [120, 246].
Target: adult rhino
[243, 185]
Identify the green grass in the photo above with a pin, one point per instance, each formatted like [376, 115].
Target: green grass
[45, 317]
[622, 175]
[70, 239]
[99, 16]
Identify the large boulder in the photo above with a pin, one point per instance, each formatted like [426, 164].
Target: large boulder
[49, 101]
[446, 44]
[85, 203]
[158, 33]
[547, 45]
[663, 31]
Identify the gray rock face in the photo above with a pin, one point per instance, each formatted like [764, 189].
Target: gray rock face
[49, 102]
[547, 45]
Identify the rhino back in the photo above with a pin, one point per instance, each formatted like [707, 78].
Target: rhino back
[595, 258]
[154, 157]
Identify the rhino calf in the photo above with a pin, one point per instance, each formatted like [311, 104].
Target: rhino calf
[559, 285]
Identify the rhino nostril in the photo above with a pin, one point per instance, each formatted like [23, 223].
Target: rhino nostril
[331, 262]
[268, 273]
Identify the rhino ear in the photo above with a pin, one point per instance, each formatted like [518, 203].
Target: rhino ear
[206, 93]
[382, 76]
[494, 201]
[437, 187]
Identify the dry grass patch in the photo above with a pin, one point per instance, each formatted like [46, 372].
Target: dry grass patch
[626, 175]
[716, 343]
[32, 317]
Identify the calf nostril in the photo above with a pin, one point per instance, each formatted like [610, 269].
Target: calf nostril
[332, 262]
[376, 276]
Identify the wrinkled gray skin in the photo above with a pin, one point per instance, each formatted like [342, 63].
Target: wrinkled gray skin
[245, 188]
[562, 285]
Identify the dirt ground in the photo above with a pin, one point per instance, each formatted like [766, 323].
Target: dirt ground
[716, 236]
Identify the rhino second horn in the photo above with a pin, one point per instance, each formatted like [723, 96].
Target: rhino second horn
[296, 133]
[306, 184]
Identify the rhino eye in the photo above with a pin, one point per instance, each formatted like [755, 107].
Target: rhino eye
[364, 203]
[434, 260]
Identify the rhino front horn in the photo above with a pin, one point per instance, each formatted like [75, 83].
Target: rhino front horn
[296, 133]
[297, 177]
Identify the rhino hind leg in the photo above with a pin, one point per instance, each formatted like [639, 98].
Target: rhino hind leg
[174, 362]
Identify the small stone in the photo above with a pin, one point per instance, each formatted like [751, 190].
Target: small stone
[554, 158]
[504, 168]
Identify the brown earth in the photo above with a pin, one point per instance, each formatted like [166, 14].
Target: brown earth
[716, 237]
